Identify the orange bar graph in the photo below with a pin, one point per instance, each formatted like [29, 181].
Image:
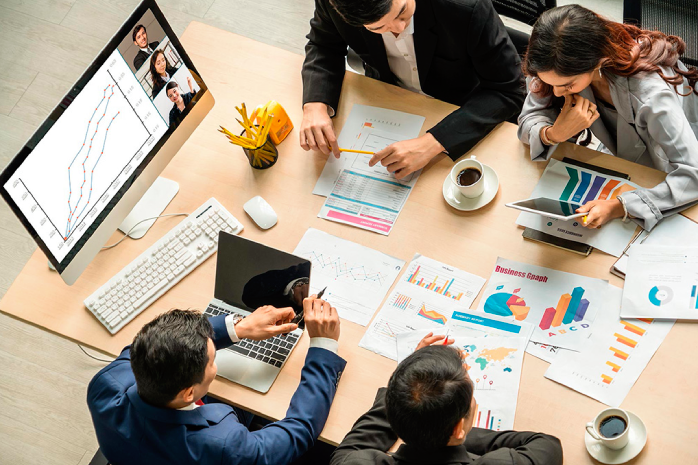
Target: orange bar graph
[459, 296]
[619, 353]
[632, 328]
[615, 367]
[561, 309]
[646, 320]
[625, 340]
[621, 189]
[606, 379]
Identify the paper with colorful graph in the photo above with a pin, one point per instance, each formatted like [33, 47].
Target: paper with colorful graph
[561, 306]
[494, 365]
[613, 358]
[427, 295]
[578, 185]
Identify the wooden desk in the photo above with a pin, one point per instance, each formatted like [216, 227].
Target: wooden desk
[238, 69]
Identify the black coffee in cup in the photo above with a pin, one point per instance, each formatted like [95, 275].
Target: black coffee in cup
[612, 426]
[468, 177]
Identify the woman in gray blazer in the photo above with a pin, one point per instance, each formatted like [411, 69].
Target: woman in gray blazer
[627, 87]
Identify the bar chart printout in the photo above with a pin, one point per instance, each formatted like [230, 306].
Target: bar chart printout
[613, 357]
[422, 306]
[574, 184]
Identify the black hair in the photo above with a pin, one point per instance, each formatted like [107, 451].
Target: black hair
[136, 29]
[153, 58]
[358, 13]
[171, 85]
[170, 354]
[428, 394]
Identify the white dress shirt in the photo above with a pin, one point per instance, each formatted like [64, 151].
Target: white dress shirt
[402, 58]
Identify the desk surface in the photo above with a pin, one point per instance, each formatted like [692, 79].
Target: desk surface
[237, 69]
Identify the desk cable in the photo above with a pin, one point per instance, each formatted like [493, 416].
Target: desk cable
[141, 221]
[92, 356]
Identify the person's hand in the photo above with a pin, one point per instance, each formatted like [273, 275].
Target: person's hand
[577, 114]
[191, 89]
[321, 319]
[430, 340]
[600, 212]
[266, 322]
[317, 131]
[408, 156]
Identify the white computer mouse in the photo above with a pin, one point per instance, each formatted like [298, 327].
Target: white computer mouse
[261, 212]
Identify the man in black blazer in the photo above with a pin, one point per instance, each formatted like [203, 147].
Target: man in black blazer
[140, 38]
[429, 404]
[453, 50]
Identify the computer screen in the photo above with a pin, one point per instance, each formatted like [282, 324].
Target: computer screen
[102, 135]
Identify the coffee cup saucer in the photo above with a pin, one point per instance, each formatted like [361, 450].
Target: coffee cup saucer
[455, 199]
[637, 438]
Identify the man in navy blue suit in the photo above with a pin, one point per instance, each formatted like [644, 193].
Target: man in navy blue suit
[149, 406]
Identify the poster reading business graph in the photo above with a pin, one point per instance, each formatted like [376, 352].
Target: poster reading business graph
[561, 306]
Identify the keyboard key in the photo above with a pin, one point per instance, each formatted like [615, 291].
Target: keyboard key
[277, 363]
[265, 359]
[259, 357]
[278, 357]
[239, 350]
[284, 351]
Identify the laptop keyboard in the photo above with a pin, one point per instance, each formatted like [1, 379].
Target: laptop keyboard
[273, 351]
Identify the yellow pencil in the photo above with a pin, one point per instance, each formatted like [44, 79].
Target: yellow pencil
[356, 151]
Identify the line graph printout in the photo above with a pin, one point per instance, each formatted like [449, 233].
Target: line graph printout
[494, 364]
[411, 307]
[614, 356]
[574, 184]
[357, 278]
[86, 156]
[370, 129]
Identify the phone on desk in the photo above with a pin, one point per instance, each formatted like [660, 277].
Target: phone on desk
[558, 209]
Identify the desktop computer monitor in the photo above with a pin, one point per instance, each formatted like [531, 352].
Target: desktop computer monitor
[105, 143]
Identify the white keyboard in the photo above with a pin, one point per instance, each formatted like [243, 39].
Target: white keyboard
[161, 266]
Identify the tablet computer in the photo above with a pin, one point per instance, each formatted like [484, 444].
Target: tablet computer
[557, 209]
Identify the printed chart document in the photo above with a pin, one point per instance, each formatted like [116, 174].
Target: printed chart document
[494, 364]
[661, 282]
[428, 296]
[613, 358]
[562, 306]
[370, 129]
[578, 185]
[357, 278]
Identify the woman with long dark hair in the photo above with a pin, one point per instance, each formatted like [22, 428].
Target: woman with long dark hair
[625, 85]
[160, 71]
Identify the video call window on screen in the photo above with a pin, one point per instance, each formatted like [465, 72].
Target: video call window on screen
[158, 68]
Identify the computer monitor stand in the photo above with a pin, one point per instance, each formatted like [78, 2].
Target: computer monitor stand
[151, 205]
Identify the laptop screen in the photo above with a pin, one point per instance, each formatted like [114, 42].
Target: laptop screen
[250, 275]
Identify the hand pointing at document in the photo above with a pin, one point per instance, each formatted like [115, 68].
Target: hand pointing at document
[407, 156]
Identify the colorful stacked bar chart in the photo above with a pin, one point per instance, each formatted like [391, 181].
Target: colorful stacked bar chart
[401, 301]
[585, 190]
[570, 308]
[629, 335]
[442, 289]
[633, 328]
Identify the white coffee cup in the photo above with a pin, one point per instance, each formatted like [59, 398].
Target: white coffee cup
[473, 190]
[594, 428]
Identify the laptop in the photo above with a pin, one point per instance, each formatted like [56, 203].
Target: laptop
[250, 275]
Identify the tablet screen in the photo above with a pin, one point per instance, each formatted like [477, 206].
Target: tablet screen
[554, 207]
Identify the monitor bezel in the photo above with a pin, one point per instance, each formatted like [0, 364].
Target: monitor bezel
[43, 129]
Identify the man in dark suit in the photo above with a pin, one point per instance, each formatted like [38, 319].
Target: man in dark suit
[429, 404]
[453, 50]
[149, 406]
[140, 38]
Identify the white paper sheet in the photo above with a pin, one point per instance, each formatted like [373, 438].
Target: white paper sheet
[428, 296]
[578, 185]
[371, 129]
[562, 306]
[357, 278]
[613, 358]
[494, 365]
[661, 281]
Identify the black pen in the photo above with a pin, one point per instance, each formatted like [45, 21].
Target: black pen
[319, 295]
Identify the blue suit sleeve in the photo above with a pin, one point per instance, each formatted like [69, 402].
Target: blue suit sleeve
[221, 338]
[286, 440]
